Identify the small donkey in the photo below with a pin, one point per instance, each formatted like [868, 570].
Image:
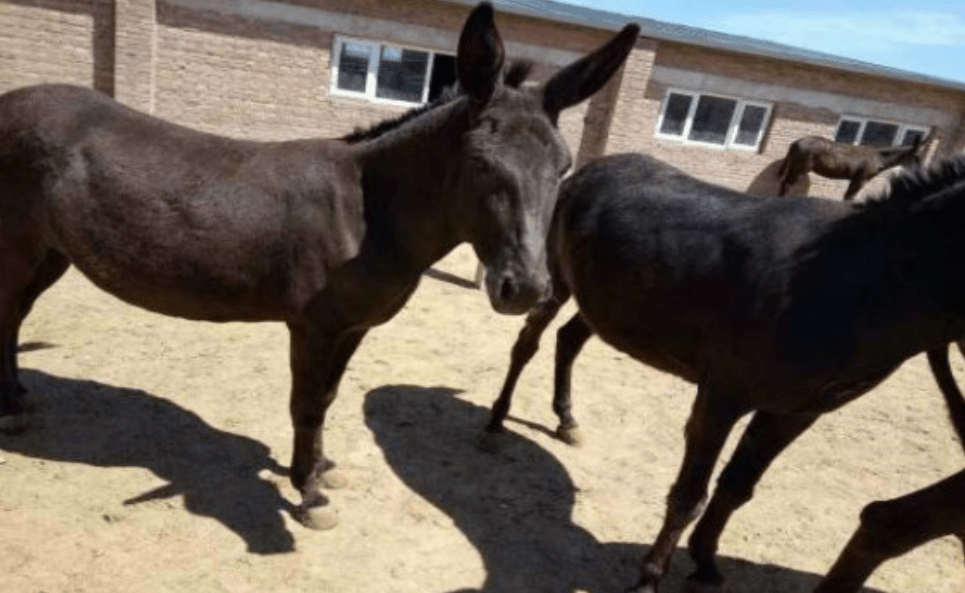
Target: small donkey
[836, 160]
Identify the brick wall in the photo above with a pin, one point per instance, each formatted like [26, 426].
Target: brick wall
[68, 41]
[257, 78]
[640, 100]
[135, 44]
[244, 78]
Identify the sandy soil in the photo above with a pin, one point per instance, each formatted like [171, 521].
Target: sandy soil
[156, 463]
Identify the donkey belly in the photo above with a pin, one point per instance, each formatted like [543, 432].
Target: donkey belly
[160, 260]
[641, 325]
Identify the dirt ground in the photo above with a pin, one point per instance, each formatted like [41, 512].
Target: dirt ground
[156, 463]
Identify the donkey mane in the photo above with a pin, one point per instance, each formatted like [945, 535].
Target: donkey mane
[513, 77]
[916, 185]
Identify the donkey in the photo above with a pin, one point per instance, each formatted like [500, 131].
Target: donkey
[836, 160]
[327, 236]
[784, 308]
[894, 527]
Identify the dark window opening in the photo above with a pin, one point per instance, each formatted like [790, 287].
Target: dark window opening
[443, 75]
[847, 131]
[675, 114]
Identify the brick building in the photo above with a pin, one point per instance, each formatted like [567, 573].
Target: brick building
[722, 107]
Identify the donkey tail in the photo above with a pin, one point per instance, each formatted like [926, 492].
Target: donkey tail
[954, 401]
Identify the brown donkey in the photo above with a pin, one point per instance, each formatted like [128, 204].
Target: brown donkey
[781, 308]
[330, 237]
[835, 160]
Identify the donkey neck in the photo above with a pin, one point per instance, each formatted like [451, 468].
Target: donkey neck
[891, 157]
[407, 181]
[920, 290]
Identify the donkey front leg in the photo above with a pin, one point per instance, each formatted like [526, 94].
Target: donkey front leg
[318, 361]
[711, 420]
[523, 351]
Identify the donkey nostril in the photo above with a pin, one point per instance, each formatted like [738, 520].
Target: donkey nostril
[507, 290]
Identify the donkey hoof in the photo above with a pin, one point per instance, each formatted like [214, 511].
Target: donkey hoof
[13, 423]
[333, 479]
[316, 518]
[570, 435]
[489, 441]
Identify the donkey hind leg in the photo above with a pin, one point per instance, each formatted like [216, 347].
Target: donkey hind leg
[790, 173]
[523, 351]
[11, 397]
[17, 269]
[766, 437]
[50, 270]
[711, 420]
[891, 528]
[570, 340]
[786, 175]
[317, 362]
[853, 188]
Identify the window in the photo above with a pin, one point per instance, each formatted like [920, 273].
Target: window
[867, 132]
[388, 73]
[713, 120]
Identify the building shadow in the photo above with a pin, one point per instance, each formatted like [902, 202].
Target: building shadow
[213, 471]
[768, 182]
[516, 506]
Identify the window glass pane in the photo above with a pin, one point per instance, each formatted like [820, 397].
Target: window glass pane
[751, 125]
[353, 65]
[675, 114]
[712, 119]
[847, 131]
[879, 134]
[402, 74]
[910, 136]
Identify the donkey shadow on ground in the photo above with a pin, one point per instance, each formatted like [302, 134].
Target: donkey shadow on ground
[516, 506]
[216, 472]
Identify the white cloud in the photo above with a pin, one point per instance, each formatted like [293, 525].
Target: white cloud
[849, 32]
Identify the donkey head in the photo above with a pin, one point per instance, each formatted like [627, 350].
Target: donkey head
[912, 156]
[513, 157]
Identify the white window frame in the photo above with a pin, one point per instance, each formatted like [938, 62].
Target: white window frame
[371, 78]
[903, 128]
[684, 137]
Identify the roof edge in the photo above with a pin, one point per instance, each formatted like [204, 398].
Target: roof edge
[613, 21]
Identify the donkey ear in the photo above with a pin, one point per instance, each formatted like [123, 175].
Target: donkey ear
[585, 76]
[479, 58]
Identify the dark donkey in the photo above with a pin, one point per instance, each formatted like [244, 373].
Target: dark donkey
[787, 308]
[836, 160]
[891, 528]
[327, 236]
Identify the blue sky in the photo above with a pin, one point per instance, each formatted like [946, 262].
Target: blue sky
[923, 36]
